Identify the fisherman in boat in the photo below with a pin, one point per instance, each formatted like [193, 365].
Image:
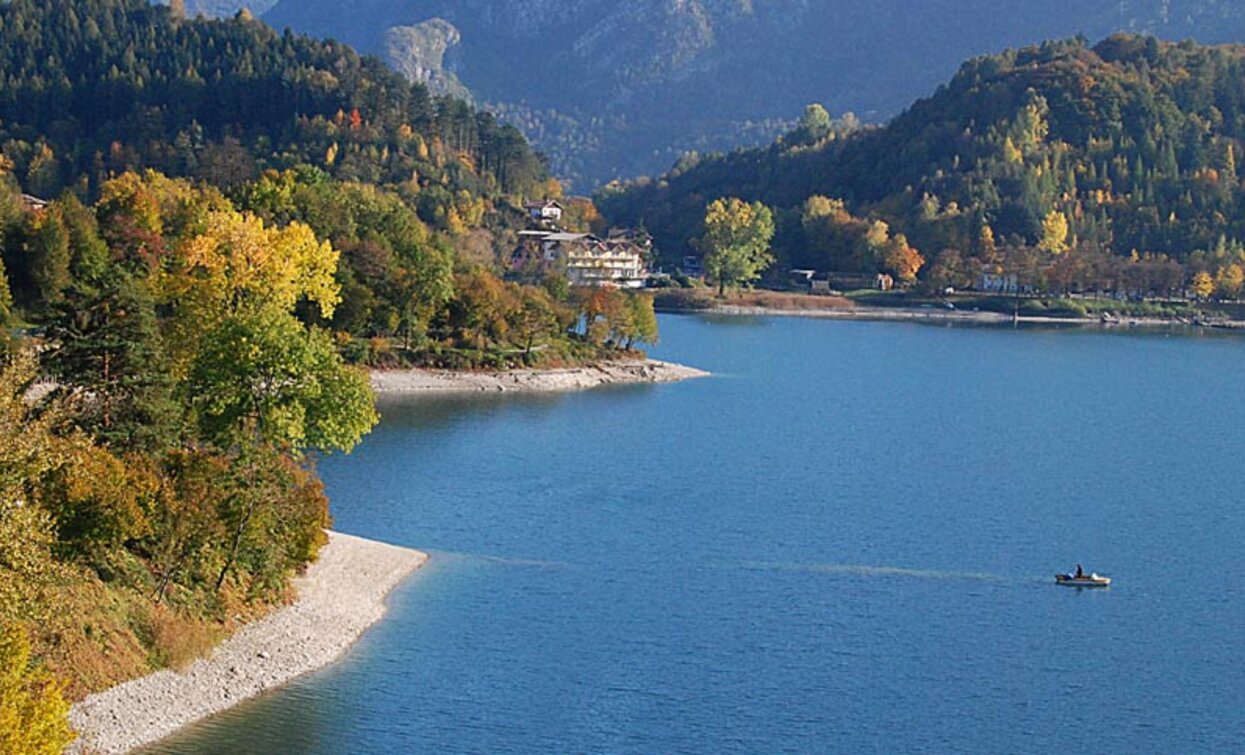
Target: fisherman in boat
[1080, 573]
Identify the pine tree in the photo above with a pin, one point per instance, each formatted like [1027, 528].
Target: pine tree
[110, 358]
[47, 255]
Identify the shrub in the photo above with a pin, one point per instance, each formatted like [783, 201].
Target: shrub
[34, 717]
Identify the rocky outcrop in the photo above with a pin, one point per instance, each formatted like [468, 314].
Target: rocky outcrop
[418, 52]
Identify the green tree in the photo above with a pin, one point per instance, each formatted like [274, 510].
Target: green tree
[643, 320]
[109, 357]
[736, 241]
[6, 301]
[48, 258]
[538, 318]
[815, 124]
[88, 252]
[262, 377]
[263, 384]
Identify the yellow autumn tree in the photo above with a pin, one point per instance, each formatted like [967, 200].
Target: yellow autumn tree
[34, 717]
[986, 246]
[1054, 233]
[878, 235]
[1012, 153]
[238, 261]
[1229, 281]
[141, 214]
[1203, 285]
[238, 265]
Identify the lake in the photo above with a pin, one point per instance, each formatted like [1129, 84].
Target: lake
[843, 541]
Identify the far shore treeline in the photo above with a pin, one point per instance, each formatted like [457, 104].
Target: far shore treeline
[207, 230]
[1065, 167]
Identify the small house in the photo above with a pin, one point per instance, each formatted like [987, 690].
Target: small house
[802, 279]
[692, 267]
[31, 203]
[545, 211]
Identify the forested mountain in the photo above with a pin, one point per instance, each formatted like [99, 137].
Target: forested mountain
[621, 89]
[1128, 148]
[93, 86]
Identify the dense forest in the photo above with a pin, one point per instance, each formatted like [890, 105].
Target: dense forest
[96, 87]
[1076, 167]
[203, 225]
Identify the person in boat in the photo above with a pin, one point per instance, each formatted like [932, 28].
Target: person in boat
[1080, 573]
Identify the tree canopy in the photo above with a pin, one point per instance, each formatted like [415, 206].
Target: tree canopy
[736, 241]
[1117, 162]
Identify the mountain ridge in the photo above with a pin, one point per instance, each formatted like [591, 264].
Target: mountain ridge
[616, 90]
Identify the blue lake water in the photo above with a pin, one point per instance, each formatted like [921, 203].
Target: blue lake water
[844, 541]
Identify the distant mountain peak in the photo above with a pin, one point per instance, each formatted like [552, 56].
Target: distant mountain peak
[615, 89]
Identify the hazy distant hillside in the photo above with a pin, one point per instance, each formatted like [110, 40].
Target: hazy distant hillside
[621, 88]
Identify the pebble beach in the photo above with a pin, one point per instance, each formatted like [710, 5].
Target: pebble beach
[339, 597]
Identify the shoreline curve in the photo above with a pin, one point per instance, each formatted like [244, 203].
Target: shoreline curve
[941, 316]
[339, 598]
[416, 382]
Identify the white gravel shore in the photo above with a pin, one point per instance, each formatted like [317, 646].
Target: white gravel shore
[414, 382]
[341, 595]
[939, 315]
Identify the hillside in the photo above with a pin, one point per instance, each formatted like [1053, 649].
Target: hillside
[99, 86]
[621, 89]
[227, 225]
[1126, 148]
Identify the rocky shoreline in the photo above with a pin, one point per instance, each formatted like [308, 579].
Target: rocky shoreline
[341, 595]
[431, 382]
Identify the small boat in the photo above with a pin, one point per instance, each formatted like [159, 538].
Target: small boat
[1084, 580]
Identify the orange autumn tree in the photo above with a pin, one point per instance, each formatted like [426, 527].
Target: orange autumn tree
[902, 259]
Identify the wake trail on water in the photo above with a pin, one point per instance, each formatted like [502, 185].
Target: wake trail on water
[506, 561]
[859, 570]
